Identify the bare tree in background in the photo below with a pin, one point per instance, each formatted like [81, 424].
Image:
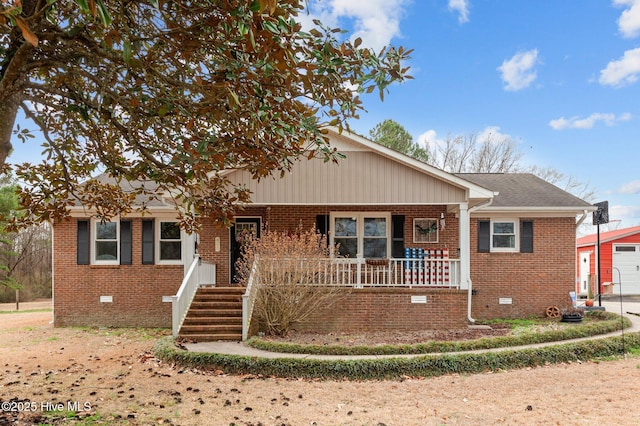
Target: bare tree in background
[467, 154]
[28, 264]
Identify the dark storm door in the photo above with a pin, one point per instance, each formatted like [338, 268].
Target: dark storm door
[243, 226]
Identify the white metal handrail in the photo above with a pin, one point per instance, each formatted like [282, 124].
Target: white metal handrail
[183, 298]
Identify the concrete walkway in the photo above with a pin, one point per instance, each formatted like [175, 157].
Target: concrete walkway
[630, 309]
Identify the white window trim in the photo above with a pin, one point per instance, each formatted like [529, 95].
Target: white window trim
[516, 230]
[157, 227]
[94, 241]
[360, 216]
[416, 236]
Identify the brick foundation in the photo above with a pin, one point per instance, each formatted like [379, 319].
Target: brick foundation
[388, 309]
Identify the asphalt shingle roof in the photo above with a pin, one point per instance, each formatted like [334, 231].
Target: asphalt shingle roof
[523, 190]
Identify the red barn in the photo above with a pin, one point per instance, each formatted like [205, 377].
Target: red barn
[619, 261]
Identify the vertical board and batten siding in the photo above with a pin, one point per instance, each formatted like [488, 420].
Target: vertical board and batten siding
[367, 178]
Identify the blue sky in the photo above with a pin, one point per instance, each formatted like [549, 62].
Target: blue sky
[558, 77]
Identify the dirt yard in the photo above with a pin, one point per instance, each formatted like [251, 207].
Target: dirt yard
[103, 376]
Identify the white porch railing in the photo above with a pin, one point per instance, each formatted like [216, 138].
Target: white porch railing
[183, 298]
[248, 300]
[199, 273]
[360, 273]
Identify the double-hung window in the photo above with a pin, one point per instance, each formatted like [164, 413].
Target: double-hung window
[169, 242]
[361, 234]
[106, 242]
[503, 235]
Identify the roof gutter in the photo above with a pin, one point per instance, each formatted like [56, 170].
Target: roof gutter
[470, 287]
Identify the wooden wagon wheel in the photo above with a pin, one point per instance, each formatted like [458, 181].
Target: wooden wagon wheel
[553, 312]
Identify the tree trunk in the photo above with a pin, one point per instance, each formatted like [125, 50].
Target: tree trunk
[12, 78]
[8, 113]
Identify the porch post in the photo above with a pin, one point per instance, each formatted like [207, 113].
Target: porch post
[465, 246]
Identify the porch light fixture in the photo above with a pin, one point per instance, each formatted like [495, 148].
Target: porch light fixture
[442, 222]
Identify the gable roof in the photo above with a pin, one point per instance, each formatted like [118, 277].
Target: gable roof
[591, 239]
[526, 191]
[371, 174]
[355, 141]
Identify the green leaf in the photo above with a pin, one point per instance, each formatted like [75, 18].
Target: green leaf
[103, 13]
[126, 51]
[234, 98]
[271, 27]
[84, 5]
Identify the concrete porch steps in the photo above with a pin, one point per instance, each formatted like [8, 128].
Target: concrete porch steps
[214, 315]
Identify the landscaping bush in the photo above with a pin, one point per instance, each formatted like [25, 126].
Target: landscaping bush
[288, 272]
[398, 367]
[597, 322]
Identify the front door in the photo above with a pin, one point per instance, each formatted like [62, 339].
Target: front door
[585, 271]
[242, 227]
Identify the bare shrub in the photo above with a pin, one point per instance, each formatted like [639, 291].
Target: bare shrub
[292, 275]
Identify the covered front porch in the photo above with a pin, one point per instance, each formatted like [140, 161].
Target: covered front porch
[407, 294]
[395, 222]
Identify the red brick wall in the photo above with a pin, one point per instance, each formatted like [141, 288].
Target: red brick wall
[136, 289]
[387, 309]
[534, 281]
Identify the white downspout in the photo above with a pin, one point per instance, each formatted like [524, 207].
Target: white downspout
[468, 254]
[584, 216]
[53, 278]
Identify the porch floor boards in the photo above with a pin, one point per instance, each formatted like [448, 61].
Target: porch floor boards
[215, 314]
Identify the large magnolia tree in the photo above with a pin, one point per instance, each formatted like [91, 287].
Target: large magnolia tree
[173, 92]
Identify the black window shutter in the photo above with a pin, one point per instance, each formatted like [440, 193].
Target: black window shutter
[147, 242]
[397, 236]
[125, 242]
[484, 236]
[82, 248]
[526, 237]
[322, 225]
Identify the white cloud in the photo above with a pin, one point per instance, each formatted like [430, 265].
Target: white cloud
[428, 138]
[627, 215]
[492, 134]
[518, 72]
[629, 21]
[608, 119]
[375, 21]
[632, 187]
[462, 7]
[622, 72]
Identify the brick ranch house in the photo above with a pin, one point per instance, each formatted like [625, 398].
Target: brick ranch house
[424, 249]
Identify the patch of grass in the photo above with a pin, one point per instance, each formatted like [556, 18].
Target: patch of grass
[28, 311]
[538, 331]
[514, 322]
[66, 416]
[137, 333]
[399, 367]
